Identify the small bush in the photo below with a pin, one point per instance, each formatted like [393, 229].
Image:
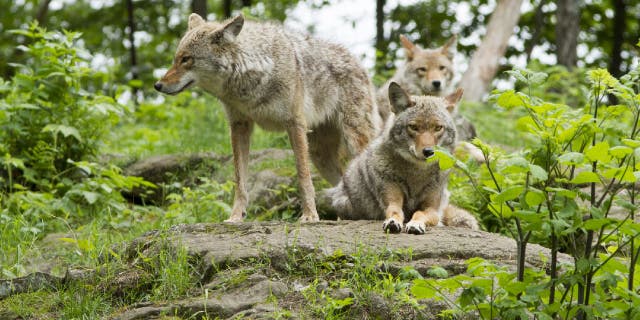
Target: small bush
[577, 166]
[47, 115]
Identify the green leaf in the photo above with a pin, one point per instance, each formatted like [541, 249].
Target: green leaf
[538, 173]
[516, 165]
[562, 192]
[585, 177]
[438, 272]
[423, 289]
[91, 197]
[620, 152]
[571, 158]
[508, 194]
[509, 99]
[599, 152]
[445, 160]
[622, 174]
[537, 77]
[136, 83]
[534, 197]
[65, 130]
[530, 216]
[518, 74]
[500, 210]
[596, 224]
[631, 143]
[516, 287]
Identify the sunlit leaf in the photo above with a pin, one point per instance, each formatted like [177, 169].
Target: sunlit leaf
[585, 177]
[598, 152]
[571, 158]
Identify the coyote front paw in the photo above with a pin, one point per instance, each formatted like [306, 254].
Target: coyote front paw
[234, 219]
[392, 225]
[414, 227]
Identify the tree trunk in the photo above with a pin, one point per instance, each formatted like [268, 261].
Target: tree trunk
[41, 14]
[619, 26]
[567, 29]
[246, 3]
[226, 8]
[381, 48]
[199, 7]
[132, 49]
[537, 31]
[486, 60]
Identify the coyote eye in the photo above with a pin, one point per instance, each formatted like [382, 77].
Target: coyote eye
[413, 127]
[442, 68]
[421, 70]
[438, 128]
[185, 59]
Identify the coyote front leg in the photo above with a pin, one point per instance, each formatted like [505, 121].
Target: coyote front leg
[394, 217]
[298, 137]
[240, 141]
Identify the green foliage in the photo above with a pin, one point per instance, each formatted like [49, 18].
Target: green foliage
[174, 274]
[209, 202]
[187, 123]
[366, 277]
[48, 116]
[571, 188]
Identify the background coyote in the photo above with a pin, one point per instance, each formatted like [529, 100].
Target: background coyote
[426, 72]
[392, 177]
[280, 80]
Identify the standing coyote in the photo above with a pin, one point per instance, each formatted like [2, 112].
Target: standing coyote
[392, 177]
[280, 80]
[426, 72]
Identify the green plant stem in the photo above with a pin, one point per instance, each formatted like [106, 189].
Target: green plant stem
[633, 254]
[585, 288]
[474, 184]
[624, 244]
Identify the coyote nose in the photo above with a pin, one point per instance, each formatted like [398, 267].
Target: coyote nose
[428, 152]
[436, 83]
[158, 86]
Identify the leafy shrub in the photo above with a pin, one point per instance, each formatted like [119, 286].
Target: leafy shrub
[47, 116]
[579, 165]
[52, 122]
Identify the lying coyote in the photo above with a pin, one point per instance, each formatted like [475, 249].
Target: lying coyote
[392, 181]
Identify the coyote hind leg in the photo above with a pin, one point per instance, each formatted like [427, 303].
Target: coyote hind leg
[325, 150]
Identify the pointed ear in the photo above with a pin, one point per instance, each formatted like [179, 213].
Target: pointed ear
[233, 27]
[453, 99]
[409, 47]
[195, 20]
[399, 98]
[449, 48]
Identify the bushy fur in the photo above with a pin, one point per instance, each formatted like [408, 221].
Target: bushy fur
[267, 75]
[392, 181]
[419, 74]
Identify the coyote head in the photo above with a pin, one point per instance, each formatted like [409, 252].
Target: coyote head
[429, 69]
[422, 122]
[203, 55]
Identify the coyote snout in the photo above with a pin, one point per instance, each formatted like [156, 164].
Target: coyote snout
[428, 152]
[424, 139]
[178, 77]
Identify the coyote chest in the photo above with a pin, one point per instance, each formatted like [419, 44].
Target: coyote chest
[421, 183]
